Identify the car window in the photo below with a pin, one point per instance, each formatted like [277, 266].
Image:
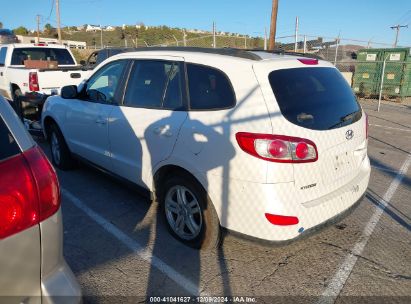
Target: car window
[154, 84]
[3, 52]
[102, 86]
[315, 98]
[209, 88]
[62, 56]
[8, 144]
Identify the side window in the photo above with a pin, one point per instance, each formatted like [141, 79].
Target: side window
[154, 84]
[3, 52]
[8, 144]
[102, 86]
[209, 88]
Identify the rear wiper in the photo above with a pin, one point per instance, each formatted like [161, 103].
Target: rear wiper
[348, 116]
[343, 119]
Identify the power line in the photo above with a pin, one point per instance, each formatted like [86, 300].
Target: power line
[51, 9]
[404, 17]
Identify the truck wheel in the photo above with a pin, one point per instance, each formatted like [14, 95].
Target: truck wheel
[17, 103]
[60, 153]
[189, 212]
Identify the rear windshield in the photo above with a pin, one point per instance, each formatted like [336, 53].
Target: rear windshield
[62, 56]
[8, 145]
[315, 98]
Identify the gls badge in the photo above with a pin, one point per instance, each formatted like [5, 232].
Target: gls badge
[349, 134]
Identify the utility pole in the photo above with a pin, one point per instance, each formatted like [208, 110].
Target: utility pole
[265, 39]
[273, 25]
[214, 35]
[58, 20]
[38, 28]
[336, 48]
[397, 27]
[184, 38]
[101, 36]
[296, 35]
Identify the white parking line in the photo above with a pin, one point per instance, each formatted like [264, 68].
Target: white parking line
[143, 253]
[338, 281]
[385, 127]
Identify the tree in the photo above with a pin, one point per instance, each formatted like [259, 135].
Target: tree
[1, 25]
[21, 30]
[48, 28]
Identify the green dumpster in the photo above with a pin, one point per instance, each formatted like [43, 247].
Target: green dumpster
[367, 78]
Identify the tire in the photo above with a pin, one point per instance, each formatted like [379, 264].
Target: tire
[206, 233]
[60, 153]
[17, 103]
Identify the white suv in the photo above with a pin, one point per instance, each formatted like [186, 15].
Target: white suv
[267, 145]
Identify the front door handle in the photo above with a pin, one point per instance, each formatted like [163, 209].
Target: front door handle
[101, 121]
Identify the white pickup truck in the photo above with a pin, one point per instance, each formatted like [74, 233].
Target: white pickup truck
[29, 73]
[17, 79]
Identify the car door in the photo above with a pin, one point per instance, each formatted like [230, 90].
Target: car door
[3, 84]
[86, 127]
[144, 129]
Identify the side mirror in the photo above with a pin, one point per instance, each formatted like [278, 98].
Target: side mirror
[69, 92]
[82, 62]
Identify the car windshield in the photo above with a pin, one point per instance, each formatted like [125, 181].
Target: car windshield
[315, 98]
[62, 56]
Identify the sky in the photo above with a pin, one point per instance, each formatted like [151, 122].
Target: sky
[356, 19]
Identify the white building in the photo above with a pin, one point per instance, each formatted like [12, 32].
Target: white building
[109, 28]
[70, 43]
[93, 28]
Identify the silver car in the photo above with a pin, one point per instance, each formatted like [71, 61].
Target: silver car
[32, 267]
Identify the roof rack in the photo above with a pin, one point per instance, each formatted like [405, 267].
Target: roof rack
[240, 53]
[219, 51]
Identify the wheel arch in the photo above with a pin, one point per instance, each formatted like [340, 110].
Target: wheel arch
[48, 121]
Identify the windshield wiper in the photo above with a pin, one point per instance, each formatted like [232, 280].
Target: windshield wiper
[343, 120]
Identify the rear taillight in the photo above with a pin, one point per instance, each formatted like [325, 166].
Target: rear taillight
[366, 126]
[278, 148]
[29, 192]
[46, 181]
[33, 82]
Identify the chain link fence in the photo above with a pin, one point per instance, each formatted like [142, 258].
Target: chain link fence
[375, 71]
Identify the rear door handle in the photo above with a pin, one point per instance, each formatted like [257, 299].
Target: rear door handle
[163, 131]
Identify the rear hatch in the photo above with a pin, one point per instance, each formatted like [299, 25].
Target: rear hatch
[317, 104]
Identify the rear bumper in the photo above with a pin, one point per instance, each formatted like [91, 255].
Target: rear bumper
[58, 283]
[249, 202]
[61, 287]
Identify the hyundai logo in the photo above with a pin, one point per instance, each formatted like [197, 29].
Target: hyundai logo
[349, 134]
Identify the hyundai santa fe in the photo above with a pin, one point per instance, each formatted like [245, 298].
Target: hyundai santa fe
[33, 269]
[266, 145]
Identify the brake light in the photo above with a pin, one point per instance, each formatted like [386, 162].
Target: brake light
[308, 61]
[46, 180]
[366, 126]
[33, 82]
[29, 192]
[40, 44]
[281, 220]
[278, 148]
